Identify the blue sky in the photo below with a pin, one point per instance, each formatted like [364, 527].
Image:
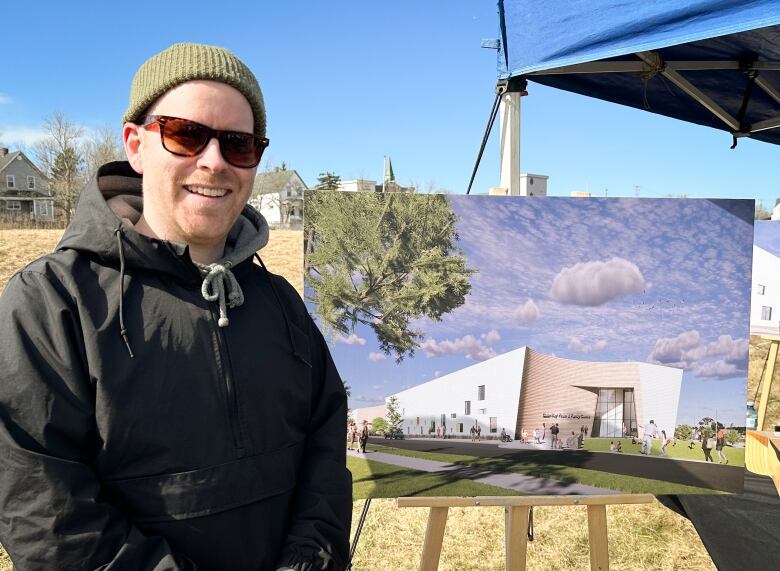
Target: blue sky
[349, 82]
[767, 236]
[649, 280]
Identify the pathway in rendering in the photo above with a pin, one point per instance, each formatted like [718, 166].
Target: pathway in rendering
[691, 473]
[517, 482]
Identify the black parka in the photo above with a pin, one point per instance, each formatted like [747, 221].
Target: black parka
[211, 447]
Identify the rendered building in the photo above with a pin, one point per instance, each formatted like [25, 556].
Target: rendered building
[765, 298]
[525, 389]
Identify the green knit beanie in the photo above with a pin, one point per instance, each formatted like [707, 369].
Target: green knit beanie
[187, 62]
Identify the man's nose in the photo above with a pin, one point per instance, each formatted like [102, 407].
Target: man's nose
[211, 157]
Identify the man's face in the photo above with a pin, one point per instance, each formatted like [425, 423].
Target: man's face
[195, 200]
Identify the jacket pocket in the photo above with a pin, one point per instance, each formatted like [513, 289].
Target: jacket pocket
[208, 490]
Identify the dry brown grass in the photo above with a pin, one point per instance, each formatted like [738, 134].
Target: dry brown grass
[648, 537]
[641, 537]
[759, 348]
[283, 255]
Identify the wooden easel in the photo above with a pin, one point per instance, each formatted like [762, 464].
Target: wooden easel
[516, 509]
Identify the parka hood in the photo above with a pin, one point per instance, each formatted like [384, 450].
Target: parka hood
[112, 202]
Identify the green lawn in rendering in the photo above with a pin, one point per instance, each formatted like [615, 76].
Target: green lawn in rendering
[566, 474]
[736, 456]
[377, 480]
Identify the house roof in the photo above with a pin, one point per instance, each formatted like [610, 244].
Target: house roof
[276, 181]
[9, 158]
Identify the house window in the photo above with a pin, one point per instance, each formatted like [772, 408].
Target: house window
[10, 181]
[483, 411]
[418, 421]
[31, 183]
[481, 392]
[43, 208]
[13, 205]
[443, 420]
[766, 313]
[453, 415]
[460, 427]
[493, 424]
[468, 408]
[760, 289]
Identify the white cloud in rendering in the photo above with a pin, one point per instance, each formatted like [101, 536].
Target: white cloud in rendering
[351, 340]
[690, 351]
[376, 357]
[468, 345]
[596, 283]
[526, 312]
[577, 345]
[491, 336]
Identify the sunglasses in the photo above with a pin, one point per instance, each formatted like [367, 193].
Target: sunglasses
[187, 138]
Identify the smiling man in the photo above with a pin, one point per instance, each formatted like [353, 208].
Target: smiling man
[165, 402]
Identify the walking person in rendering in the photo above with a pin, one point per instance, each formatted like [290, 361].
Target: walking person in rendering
[351, 436]
[664, 443]
[706, 446]
[651, 431]
[720, 442]
[364, 437]
[553, 436]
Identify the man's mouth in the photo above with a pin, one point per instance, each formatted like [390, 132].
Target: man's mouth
[207, 191]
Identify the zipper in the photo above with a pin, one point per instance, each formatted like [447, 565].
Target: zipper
[223, 361]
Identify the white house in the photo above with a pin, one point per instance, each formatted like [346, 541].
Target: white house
[278, 195]
[765, 297]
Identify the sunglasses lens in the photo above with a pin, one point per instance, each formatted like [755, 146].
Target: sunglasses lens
[184, 137]
[241, 149]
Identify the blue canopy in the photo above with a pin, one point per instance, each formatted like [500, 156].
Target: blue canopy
[715, 63]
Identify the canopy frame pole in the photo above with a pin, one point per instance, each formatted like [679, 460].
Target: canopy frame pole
[509, 133]
[654, 60]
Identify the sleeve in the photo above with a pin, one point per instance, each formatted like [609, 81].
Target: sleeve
[51, 516]
[318, 536]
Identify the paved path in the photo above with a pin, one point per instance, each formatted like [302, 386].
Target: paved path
[692, 473]
[517, 482]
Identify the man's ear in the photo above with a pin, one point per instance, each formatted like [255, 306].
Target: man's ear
[131, 138]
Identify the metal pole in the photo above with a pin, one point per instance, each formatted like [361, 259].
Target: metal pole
[358, 530]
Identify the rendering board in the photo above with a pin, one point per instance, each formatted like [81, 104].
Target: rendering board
[497, 345]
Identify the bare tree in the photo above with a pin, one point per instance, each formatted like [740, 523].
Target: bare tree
[102, 146]
[60, 153]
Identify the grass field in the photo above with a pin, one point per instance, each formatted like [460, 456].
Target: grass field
[642, 537]
[398, 482]
[566, 474]
[735, 456]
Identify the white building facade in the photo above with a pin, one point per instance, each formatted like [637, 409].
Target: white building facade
[526, 390]
[765, 297]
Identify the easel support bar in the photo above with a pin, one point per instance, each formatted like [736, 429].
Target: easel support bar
[457, 502]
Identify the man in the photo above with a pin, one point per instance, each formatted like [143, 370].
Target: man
[166, 403]
[554, 436]
[651, 430]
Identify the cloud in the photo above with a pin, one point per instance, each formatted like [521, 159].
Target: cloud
[723, 358]
[526, 312]
[377, 387]
[717, 369]
[376, 357]
[351, 340]
[436, 374]
[22, 135]
[368, 399]
[578, 345]
[5, 99]
[491, 336]
[596, 283]
[468, 345]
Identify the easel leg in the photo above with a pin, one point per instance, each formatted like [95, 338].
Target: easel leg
[434, 537]
[597, 534]
[359, 529]
[516, 537]
[769, 372]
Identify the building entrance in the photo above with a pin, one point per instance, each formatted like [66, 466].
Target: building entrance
[615, 414]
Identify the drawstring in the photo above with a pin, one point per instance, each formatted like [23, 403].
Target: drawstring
[284, 313]
[214, 287]
[122, 330]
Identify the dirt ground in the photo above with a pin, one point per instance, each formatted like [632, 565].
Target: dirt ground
[641, 537]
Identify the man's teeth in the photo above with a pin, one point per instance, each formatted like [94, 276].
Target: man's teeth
[207, 191]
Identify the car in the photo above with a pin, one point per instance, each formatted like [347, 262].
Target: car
[394, 434]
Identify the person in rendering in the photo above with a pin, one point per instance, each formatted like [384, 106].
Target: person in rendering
[692, 444]
[664, 443]
[479, 433]
[554, 436]
[651, 431]
[352, 436]
[706, 446]
[364, 437]
[619, 446]
[720, 442]
[165, 402]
